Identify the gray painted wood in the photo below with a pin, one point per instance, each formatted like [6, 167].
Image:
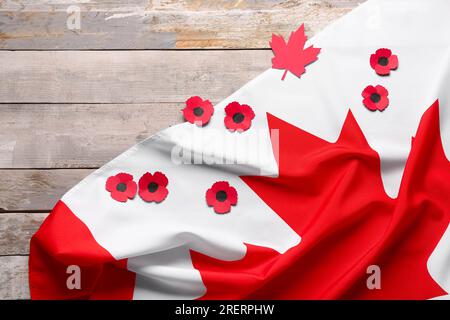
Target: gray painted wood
[161, 24]
[125, 76]
[36, 190]
[16, 230]
[14, 277]
[65, 127]
[77, 135]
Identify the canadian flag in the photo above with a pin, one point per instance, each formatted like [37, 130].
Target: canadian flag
[325, 179]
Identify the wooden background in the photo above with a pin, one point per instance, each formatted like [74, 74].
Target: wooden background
[71, 100]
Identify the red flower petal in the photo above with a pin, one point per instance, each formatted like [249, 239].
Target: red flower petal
[161, 194]
[232, 195]
[229, 123]
[367, 92]
[220, 185]
[248, 111]
[112, 183]
[374, 61]
[381, 103]
[145, 180]
[129, 191]
[124, 177]
[206, 111]
[232, 108]
[193, 102]
[382, 91]
[203, 119]
[210, 197]
[382, 70]
[369, 104]
[221, 205]
[244, 125]
[388, 61]
[246, 116]
[157, 195]
[383, 52]
[119, 196]
[393, 62]
[160, 178]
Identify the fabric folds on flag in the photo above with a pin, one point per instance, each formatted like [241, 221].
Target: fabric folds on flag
[331, 184]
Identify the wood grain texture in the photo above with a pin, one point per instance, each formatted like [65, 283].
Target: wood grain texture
[161, 24]
[36, 190]
[77, 136]
[65, 112]
[16, 230]
[125, 76]
[14, 277]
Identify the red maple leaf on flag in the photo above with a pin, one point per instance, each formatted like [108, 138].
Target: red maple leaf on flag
[332, 195]
[292, 56]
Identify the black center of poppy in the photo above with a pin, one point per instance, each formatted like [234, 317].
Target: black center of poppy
[238, 117]
[121, 187]
[198, 111]
[375, 97]
[383, 61]
[152, 187]
[221, 196]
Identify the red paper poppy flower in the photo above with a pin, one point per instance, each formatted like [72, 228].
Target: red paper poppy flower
[221, 196]
[383, 61]
[152, 187]
[121, 186]
[375, 98]
[198, 111]
[238, 116]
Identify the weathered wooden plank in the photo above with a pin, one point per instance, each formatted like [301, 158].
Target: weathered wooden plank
[16, 230]
[161, 24]
[125, 76]
[77, 136]
[36, 190]
[14, 277]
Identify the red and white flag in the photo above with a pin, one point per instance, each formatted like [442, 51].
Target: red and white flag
[326, 177]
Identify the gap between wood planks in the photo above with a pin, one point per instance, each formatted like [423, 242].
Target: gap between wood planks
[45, 181]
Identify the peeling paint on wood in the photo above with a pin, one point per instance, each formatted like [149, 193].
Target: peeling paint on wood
[164, 24]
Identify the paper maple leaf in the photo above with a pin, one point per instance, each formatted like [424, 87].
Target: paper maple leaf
[292, 56]
[332, 195]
